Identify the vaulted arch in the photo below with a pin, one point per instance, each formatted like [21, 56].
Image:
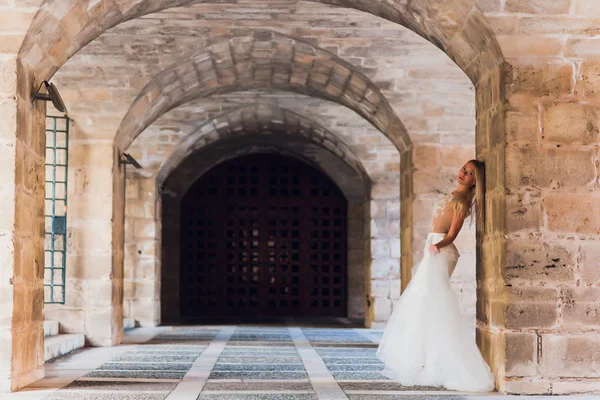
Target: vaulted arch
[63, 27]
[260, 120]
[261, 61]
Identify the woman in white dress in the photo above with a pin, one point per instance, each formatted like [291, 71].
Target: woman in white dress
[426, 341]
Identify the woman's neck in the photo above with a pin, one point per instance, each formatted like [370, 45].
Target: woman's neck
[461, 189]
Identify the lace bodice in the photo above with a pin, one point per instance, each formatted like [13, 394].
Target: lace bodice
[441, 205]
[438, 212]
[439, 209]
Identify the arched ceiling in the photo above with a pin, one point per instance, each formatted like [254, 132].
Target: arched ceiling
[427, 91]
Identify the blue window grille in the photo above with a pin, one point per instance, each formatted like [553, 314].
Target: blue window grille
[55, 242]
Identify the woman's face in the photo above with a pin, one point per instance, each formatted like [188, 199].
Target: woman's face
[466, 176]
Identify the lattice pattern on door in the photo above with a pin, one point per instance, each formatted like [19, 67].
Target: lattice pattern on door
[263, 235]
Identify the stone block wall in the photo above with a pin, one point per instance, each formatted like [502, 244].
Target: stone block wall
[552, 193]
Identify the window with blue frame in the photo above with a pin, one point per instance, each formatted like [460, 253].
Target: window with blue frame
[55, 242]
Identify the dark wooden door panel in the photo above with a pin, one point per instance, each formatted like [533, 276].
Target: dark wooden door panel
[263, 235]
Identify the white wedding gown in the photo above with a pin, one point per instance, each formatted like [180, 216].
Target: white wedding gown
[426, 341]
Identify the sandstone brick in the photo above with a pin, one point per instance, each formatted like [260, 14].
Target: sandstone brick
[382, 309]
[575, 386]
[571, 123]
[589, 262]
[380, 248]
[8, 74]
[489, 5]
[548, 167]
[528, 387]
[575, 213]
[530, 307]
[521, 126]
[514, 46]
[539, 79]
[145, 311]
[582, 48]
[590, 78]
[456, 156]
[383, 268]
[98, 327]
[538, 6]
[502, 24]
[428, 181]
[533, 261]
[12, 20]
[580, 307]
[426, 157]
[380, 288]
[523, 212]
[552, 25]
[572, 355]
[587, 8]
[521, 354]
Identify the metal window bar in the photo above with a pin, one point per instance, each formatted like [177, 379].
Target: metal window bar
[55, 243]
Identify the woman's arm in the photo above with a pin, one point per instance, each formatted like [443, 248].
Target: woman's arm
[455, 227]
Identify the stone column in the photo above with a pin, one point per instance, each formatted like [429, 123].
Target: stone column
[22, 142]
[142, 244]
[384, 251]
[490, 148]
[93, 304]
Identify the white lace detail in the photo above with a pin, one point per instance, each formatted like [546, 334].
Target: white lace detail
[441, 206]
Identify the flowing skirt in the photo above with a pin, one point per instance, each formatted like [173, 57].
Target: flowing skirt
[426, 341]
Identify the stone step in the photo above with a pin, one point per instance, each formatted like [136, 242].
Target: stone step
[59, 345]
[50, 328]
[128, 323]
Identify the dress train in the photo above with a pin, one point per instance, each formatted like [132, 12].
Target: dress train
[426, 341]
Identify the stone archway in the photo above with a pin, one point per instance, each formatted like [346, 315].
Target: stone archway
[458, 27]
[262, 61]
[351, 182]
[248, 130]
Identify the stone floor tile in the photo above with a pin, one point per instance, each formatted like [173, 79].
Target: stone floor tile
[352, 360]
[356, 367]
[386, 386]
[283, 359]
[258, 367]
[161, 357]
[258, 375]
[249, 385]
[125, 386]
[404, 397]
[105, 396]
[130, 366]
[358, 375]
[238, 396]
[136, 374]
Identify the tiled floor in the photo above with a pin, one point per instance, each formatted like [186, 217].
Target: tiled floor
[231, 363]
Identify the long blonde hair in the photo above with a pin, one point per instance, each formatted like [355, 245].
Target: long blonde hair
[464, 202]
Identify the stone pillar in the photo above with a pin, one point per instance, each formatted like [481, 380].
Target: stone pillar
[22, 142]
[142, 265]
[384, 251]
[93, 303]
[406, 218]
[491, 292]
